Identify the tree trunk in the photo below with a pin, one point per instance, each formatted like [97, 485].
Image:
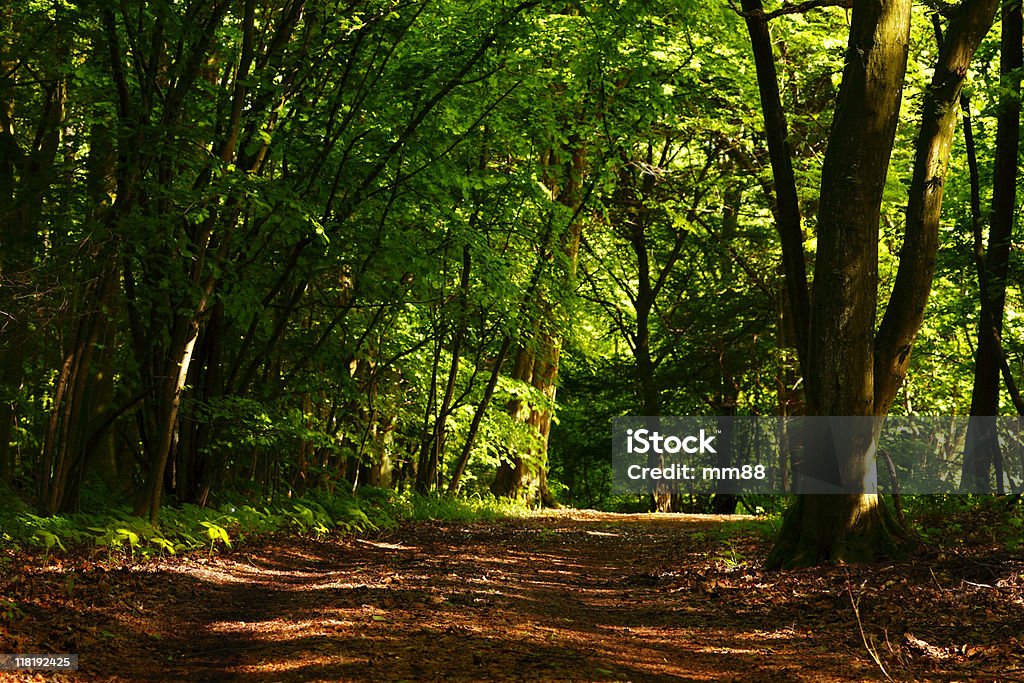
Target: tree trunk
[538, 365]
[968, 24]
[478, 415]
[850, 372]
[726, 498]
[77, 403]
[982, 448]
[838, 528]
[839, 357]
[636, 221]
[423, 477]
[786, 207]
[166, 416]
[525, 476]
[193, 469]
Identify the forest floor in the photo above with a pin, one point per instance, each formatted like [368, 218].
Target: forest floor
[573, 596]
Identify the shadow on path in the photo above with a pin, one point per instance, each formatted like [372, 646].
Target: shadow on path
[568, 597]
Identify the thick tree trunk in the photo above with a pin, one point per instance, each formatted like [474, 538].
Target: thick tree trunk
[525, 476]
[838, 528]
[850, 372]
[839, 357]
[840, 360]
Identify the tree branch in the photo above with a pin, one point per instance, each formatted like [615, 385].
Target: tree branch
[787, 8]
[905, 310]
[786, 205]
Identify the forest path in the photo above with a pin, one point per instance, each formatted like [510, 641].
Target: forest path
[565, 596]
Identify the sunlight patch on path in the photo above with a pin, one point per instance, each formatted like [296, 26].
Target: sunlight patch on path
[386, 546]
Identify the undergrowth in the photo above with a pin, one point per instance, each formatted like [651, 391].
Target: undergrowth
[458, 509]
[119, 535]
[967, 520]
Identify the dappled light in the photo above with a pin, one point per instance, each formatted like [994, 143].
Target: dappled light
[539, 598]
[511, 340]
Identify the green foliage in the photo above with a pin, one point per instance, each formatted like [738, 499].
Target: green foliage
[190, 527]
[9, 611]
[730, 558]
[448, 508]
[950, 521]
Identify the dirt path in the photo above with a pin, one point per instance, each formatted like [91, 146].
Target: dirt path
[580, 596]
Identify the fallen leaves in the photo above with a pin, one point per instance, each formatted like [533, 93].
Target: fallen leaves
[569, 598]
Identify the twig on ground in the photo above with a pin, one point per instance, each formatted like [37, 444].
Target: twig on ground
[935, 578]
[860, 625]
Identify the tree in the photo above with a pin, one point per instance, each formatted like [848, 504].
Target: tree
[982, 449]
[851, 370]
[536, 362]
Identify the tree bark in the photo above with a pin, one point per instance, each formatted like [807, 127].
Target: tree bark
[839, 355]
[478, 415]
[726, 498]
[850, 371]
[982, 448]
[630, 196]
[525, 475]
[786, 206]
[904, 314]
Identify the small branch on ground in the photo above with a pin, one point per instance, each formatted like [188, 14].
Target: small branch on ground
[872, 651]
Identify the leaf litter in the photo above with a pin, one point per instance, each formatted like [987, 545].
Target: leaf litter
[564, 596]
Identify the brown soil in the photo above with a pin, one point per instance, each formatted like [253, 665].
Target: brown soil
[573, 596]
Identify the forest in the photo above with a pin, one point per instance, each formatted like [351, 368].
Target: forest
[318, 319]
